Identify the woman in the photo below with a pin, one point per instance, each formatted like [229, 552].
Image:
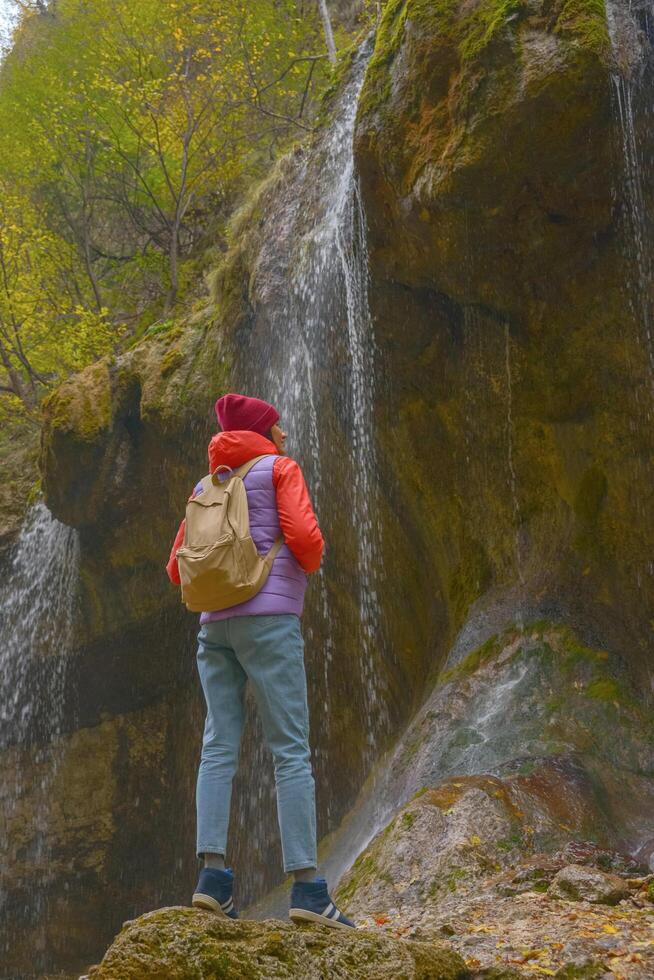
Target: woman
[260, 640]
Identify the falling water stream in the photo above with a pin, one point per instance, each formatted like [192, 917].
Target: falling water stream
[312, 354]
[320, 332]
[37, 617]
[631, 33]
[631, 29]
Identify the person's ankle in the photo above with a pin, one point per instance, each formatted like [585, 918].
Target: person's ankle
[305, 874]
[214, 861]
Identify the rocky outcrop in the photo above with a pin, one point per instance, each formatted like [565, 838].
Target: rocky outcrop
[510, 800]
[179, 943]
[460, 861]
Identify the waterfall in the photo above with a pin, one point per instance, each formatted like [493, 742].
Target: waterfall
[316, 362]
[37, 615]
[310, 350]
[630, 31]
[36, 627]
[328, 289]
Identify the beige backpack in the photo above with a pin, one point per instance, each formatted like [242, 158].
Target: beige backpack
[219, 565]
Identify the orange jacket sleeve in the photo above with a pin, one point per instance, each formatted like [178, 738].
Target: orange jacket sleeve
[296, 517]
[171, 567]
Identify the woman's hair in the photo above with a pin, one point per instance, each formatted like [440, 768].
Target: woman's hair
[269, 435]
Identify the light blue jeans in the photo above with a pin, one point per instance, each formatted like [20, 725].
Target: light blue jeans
[269, 652]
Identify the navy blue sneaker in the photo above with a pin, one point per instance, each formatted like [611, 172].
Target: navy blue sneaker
[214, 892]
[310, 902]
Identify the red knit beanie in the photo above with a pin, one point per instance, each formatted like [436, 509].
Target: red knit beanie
[242, 412]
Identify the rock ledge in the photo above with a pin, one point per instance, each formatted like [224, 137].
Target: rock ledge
[183, 943]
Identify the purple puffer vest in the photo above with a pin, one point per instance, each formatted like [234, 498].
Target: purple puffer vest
[283, 591]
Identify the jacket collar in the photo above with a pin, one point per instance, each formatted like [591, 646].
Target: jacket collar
[237, 446]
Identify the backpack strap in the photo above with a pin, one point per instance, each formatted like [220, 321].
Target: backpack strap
[212, 479]
[246, 467]
[272, 554]
[242, 471]
[239, 470]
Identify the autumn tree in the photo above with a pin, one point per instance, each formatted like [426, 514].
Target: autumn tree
[131, 132]
[153, 114]
[46, 327]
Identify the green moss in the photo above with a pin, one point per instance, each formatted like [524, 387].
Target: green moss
[586, 971]
[34, 492]
[436, 20]
[463, 39]
[364, 869]
[388, 828]
[526, 768]
[586, 21]
[162, 326]
[455, 875]
[449, 882]
[81, 405]
[469, 579]
[538, 627]
[473, 661]
[650, 892]
[605, 689]
[575, 652]
[510, 843]
[168, 943]
[543, 651]
[377, 86]
[502, 973]
[408, 819]
[171, 360]
[479, 28]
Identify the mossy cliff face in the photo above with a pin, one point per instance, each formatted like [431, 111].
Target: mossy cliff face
[90, 834]
[123, 444]
[504, 283]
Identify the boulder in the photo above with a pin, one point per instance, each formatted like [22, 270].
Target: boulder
[579, 883]
[181, 943]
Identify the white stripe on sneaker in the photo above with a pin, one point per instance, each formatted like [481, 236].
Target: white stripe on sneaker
[328, 910]
[335, 914]
[227, 906]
